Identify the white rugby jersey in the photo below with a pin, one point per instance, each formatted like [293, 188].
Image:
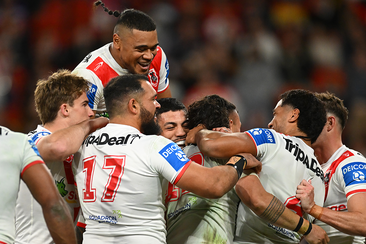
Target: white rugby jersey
[286, 161]
[17, 154]
[119, 173]
[345, 175]
[30, 224]
[193, 219]
[99, 67]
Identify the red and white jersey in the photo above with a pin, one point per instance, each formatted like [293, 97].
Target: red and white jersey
[30, 224]
[17, 154]
[119, 173]
[286, 161]
[345, 175]
[194, 219]
[99, 67]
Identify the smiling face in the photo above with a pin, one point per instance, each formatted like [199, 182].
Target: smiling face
[134, 50]
[173, 126]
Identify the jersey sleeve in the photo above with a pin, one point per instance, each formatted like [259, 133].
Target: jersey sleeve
[263, 139]
[353, 176]
[31, 155]
[168, 159]
[95, 93]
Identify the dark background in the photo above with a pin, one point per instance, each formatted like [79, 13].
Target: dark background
[246, 51]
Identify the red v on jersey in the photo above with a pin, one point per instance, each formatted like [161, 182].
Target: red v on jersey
[104, 72]
[331, 170]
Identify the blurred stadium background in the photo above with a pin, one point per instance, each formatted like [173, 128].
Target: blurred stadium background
[244, 50]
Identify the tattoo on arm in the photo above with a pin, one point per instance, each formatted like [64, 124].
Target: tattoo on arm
[273, 211]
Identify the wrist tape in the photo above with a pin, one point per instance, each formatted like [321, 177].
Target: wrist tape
[239, 165]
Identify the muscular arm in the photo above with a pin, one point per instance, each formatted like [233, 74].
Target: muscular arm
[224, 145]
[62, 143]
[55, 212]
[352, 222]
[269, 208]
[208, 182]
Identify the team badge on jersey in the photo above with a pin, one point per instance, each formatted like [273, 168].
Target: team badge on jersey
[262, 136]
[174, 155]
[354, 173]
[153, 78]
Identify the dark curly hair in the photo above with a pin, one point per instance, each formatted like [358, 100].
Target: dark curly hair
[212, 111]
[312, 115]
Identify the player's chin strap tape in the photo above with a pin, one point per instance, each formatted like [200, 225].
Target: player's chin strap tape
[239, 165]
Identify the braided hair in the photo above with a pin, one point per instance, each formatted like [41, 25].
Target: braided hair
[130, 18]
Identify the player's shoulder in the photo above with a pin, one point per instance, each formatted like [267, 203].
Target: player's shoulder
[91, 57]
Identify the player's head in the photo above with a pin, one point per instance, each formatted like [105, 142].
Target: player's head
[172, 119]
[301, 107]
[334, 106]
[213, 111]
[65, 93]
[131, 97]
[135, 40]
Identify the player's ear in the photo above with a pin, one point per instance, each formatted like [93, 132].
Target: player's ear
[133, 106]
[294, 115]
[64, 109]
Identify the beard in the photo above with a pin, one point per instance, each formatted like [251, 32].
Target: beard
[148, 123]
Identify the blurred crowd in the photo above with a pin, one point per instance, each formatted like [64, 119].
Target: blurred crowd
[246, 51]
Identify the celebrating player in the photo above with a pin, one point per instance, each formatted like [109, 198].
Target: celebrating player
[287, 158]
[120, 169]
[134, 49]
[344, 213]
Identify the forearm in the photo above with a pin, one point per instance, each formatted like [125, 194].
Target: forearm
[267, 206]
[62, 143]
[59, 223]
[222, 145]
[352, 223]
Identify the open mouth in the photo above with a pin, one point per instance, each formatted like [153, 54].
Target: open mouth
[181, 143]
[144, 66]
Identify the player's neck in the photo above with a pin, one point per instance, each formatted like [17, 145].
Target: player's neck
[54, 126]
[325, 149]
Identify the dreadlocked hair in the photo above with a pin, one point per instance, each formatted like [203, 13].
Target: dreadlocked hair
[116, 13]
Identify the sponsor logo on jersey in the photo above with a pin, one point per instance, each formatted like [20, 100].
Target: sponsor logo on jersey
[174, 155]
[285, 232]
[91, 94]
[105, 139]
[354, 173]
[300, 156]
[262, 136]
[3, 132]
[104, 219]
[39, 135]
[61, 187]
[34, 147]
[86, 59]
[167, 70]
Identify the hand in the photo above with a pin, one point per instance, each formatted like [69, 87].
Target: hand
[317, 235]
[222, 129]
[191, 135]
[305, 192]
[252, 162]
